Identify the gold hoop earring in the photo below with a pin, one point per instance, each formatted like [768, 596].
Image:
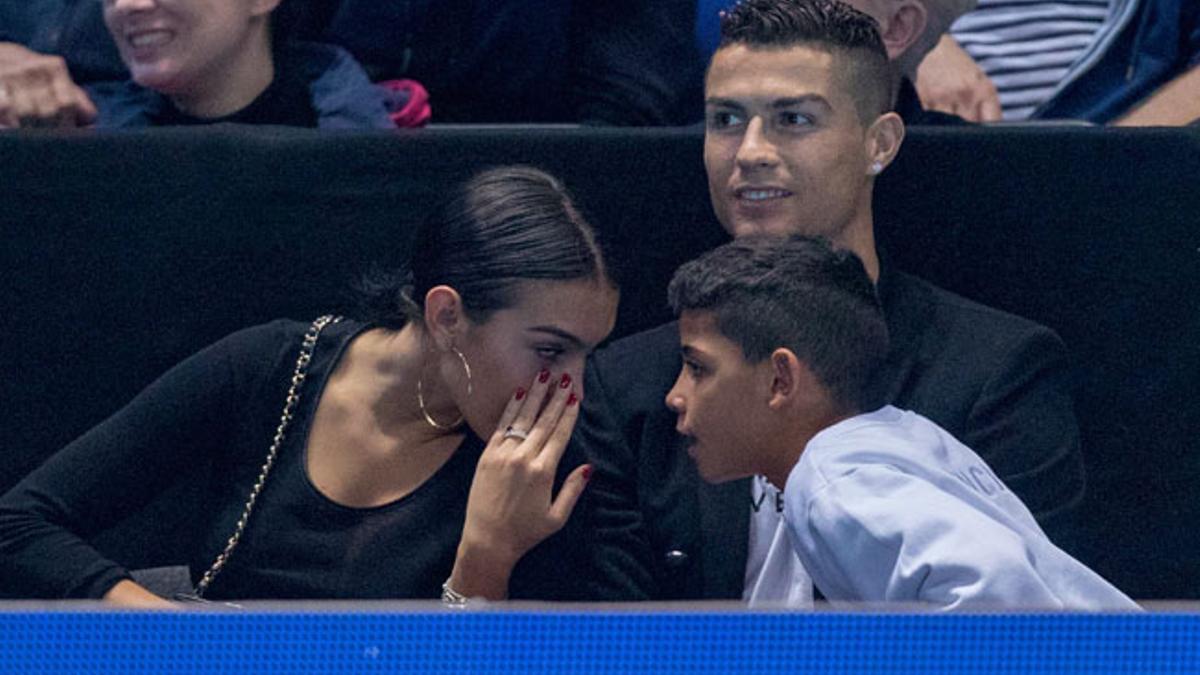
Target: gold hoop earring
[466, 368]
[421, 396]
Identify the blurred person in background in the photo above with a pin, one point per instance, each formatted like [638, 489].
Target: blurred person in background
[188, 62]
[1120, 62]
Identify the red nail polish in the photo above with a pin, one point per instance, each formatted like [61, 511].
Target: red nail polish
[587, 472]
[572, 399]
[565, 381]
[520, 393]
[544, 375]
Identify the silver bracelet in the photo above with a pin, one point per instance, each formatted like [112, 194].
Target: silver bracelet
[451, 597]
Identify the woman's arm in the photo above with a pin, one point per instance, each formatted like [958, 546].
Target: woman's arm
[128, 594]
[166, 434]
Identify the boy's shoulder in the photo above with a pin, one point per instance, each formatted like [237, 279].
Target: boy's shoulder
[888, 435]
[901, 442]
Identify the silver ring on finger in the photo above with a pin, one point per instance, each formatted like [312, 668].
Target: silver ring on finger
[513, 432]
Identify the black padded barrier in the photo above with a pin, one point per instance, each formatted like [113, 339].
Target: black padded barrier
[124, 252]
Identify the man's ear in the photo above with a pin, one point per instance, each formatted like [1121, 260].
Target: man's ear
[906, 21]
[444, 318]
[884, 137]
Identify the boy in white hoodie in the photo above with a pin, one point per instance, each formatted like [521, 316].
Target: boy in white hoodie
[879, 504]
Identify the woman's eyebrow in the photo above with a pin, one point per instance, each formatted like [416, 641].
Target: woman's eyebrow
[558, 332]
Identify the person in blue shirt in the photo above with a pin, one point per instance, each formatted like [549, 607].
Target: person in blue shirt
[1138, 63]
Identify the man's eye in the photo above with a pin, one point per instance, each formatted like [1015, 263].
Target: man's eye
[794, 119]
[693, 368]
[722, 119]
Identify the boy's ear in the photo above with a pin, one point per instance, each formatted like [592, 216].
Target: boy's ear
[792, 382]
[444, 318]
[785, 375]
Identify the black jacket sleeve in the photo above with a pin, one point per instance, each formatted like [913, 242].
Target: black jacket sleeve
[999, 383]
[624, 562]
[168, 433]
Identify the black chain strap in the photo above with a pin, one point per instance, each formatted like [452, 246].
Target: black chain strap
[289, 407]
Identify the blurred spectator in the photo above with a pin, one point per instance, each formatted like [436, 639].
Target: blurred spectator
[189, 62]
[481, 60]
[1131, 62]
[72, 29]
[36, 88]
[620, 62]
[949, 81]
[204, 61]
[636, 62]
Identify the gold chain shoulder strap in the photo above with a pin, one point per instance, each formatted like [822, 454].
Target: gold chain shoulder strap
[289, 407]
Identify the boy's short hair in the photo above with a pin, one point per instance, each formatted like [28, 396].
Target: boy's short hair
[797, 293]
[835, 27]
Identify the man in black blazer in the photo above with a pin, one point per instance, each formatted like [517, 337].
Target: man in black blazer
[797, 126]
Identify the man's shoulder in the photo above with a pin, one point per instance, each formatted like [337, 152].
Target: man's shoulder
[953, 320]
[949, 354]
[876, 437]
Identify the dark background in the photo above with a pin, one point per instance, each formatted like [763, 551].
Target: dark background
[125, 252]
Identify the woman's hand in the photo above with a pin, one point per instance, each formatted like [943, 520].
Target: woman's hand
[129, 594]
[512, 507]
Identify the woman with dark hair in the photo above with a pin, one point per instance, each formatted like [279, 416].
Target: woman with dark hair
[207, 61]
[421, 452]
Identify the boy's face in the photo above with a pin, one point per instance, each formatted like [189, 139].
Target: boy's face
[721, 399]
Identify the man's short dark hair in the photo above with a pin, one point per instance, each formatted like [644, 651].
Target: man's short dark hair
[796, 293]
[829, 25]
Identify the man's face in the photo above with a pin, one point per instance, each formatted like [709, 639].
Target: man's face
[784, 147]
[720, 399]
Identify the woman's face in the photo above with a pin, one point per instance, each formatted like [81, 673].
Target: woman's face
[177, 46]
[553, 325]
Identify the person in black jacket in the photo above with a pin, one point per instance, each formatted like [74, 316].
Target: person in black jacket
[798, 125]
